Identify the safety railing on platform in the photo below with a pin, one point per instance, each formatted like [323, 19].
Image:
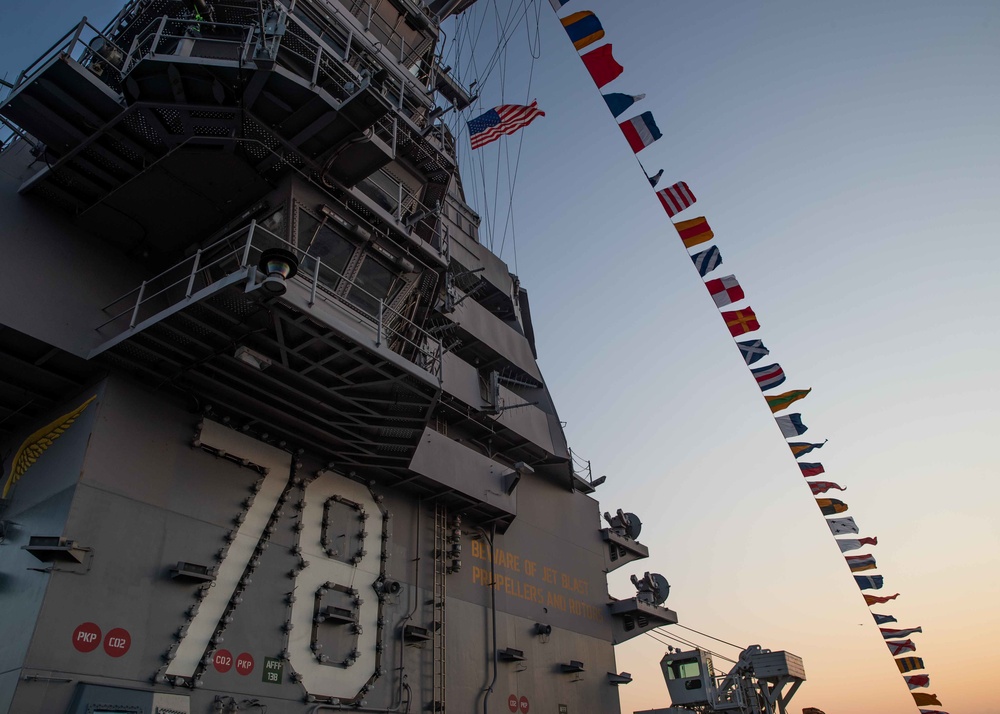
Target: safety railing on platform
[87, 45]
[337, 31]
[177, 36]
[233, 258]
[582, 468]
[397, 199]
[386, 34]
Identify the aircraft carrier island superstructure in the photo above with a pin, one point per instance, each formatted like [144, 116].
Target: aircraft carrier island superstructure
[273, 430]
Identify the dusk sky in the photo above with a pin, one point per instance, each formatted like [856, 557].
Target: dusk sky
[847, 157]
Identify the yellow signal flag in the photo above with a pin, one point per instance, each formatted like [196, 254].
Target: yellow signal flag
[694, 232]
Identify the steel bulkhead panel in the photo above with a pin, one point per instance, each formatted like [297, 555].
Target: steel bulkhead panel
[497, 335]
[38, 505]
[549, 564]
[455, 467]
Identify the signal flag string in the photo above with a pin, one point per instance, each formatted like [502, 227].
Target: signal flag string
[584, 29]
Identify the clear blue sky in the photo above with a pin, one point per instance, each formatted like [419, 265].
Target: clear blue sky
[847, 157]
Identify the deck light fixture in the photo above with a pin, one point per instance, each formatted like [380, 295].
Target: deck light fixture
[278, 265]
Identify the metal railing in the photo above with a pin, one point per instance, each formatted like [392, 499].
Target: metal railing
[338, 33]
[581, 467]
[88, 46]
[233, 258]
[387, 38]
[175, 36]
[400, 201]
[336, 54]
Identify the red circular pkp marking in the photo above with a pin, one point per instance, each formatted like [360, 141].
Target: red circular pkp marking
[512, 702]
[244, 664]
[117, 642]
[87, 637]
[223, 661]
[523, 705]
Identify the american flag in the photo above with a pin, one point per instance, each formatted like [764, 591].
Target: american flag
[505, 119]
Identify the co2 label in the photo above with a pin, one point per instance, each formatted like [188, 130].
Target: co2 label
[87, 638]
[223, 661]
[117, 642]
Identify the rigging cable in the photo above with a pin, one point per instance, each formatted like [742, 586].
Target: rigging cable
[502, 64]
[504, 38]
[536, 52]
[688, 644]
[691, 642]
[691, 629]
[505, 33]
[505, 26]
[684, 640]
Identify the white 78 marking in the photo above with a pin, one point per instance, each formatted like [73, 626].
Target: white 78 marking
[316, 677]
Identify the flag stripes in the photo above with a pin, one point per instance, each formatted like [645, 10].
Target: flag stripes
[769, 376]
[505, 119]
[694, 232]
[908, 664]
[707, 260]
[801, 448]
[888, 632]
[878, 600]
[847, 544]
[640, 131]
[583, 28]
[676, 198]
[791, 425]
[818, 487]
[860, 563]
[811, 469]
[777, 402]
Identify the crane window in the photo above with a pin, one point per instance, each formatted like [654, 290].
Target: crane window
[683, 668]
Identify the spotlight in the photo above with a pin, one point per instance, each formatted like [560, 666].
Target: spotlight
[278, 265]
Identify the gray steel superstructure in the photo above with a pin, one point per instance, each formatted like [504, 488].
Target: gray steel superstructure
[274, 436]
